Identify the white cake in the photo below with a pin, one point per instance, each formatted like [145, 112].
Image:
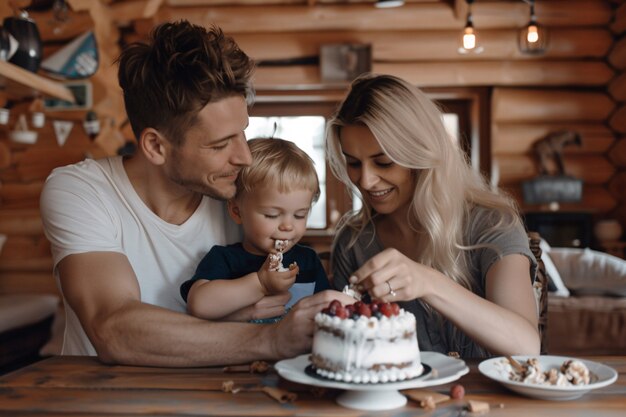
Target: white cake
[366, 343]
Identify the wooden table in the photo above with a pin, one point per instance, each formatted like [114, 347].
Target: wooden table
[63, 386]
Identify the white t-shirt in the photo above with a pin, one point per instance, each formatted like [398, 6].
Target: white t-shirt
[92, 206]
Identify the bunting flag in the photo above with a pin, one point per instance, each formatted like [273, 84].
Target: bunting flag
[62, 129]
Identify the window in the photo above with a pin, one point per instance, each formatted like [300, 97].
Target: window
[301, 118]
[308, 133]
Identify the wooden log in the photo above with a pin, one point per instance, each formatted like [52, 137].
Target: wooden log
[22, 247]
[451, 74]
[5, 156]
[617, 186]
[596, 199]
[504, 73]
[17, 282]
[436, 15]
[36, 163]
[50, 30]
[21, 193]
[618, 26]
[618, 119]
[617, 155]
[515, 105]
[20, 222]
[617, 87]
[520, 137]
[425, 45]
[9, 265]
[617, 56]
[592, 169]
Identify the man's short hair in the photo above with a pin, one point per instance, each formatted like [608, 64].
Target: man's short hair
[182, 68]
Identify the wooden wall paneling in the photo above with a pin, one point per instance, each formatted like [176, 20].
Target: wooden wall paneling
[617, 87]
[487, 15]
[592, 169]
[617, 120]
[617, 187]
[520, 137]
[17, 282]
[425, 45]
[20, 222]
[5, 155]
[51, 30]
[499, 73]
[595, 199]
[454, 74]
[618, 153]
[23, 194]
[618, 26]
[24, 247]
[37, 163]
[516, 105]
[617, 55]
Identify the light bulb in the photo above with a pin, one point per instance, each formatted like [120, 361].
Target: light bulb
[532, 33]
[469, 38]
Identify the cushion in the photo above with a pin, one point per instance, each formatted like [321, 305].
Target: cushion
[590, 272]
[555, 284]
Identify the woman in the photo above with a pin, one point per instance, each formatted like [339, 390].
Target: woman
[431, 234]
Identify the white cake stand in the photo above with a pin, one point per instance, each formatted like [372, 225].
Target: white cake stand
[374, 397]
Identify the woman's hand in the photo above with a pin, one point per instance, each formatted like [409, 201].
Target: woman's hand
[392, 276]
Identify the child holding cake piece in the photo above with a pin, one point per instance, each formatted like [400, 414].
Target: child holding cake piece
[431, 234]
[268, 268]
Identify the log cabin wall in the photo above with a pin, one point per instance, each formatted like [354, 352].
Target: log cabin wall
[579, 84]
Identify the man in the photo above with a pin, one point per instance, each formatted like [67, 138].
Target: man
[125, 233]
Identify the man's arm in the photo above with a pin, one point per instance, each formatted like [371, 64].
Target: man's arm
[102, 289]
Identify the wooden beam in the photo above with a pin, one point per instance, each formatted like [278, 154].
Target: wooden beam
[618, 156]
[618, 119]
[434, 16]
[26, 83]
[617, 56]
[519, 137]
[618, 26]
[438, 74]
[20, 222]
[515, 105]
[503, 73]
[592, 169]
[617, 87]
[426, 45]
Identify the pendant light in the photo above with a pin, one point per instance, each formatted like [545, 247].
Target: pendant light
[533, 37]
[469, 40]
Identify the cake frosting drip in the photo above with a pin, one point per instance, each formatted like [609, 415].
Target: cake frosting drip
[362, 349]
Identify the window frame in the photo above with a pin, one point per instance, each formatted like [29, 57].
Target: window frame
[472, 105]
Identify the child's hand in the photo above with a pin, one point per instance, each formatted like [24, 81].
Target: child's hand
[276, 282]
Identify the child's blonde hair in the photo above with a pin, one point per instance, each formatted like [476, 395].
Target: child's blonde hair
[280, 164]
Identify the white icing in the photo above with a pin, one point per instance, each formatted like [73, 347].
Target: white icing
[367, 342]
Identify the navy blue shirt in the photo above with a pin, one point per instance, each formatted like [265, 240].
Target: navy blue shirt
[233, 261]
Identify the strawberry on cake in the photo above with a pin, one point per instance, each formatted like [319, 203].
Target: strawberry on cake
[366, 343]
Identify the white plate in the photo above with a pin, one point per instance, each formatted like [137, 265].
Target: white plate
[605, 375]
[383, 396]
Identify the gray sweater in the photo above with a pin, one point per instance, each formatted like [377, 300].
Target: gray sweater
[434, 333]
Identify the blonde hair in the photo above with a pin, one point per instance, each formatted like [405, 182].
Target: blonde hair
[280, 164]
[409, 128]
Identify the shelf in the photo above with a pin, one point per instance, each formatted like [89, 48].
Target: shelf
[20, 83]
